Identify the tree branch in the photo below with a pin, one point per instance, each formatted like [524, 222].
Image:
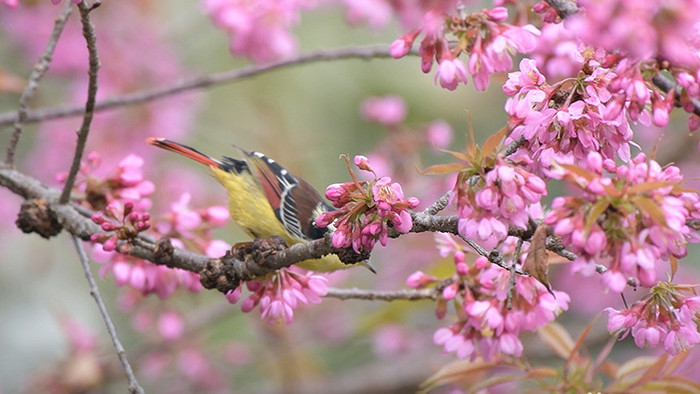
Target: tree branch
[564, 8]
[94, 61]
[666, 84]
[37, 73]
[256, 259]
[380, 295]
[134, 386]
[202, 82]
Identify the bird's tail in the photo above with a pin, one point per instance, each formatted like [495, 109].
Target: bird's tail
[184, 150]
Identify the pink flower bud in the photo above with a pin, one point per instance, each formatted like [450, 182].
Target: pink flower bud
[481, 262]
[234, 295]
[107, 226]
[462, 269]
[595, 162]
[248, 304]
[498, 14]
[110, 244]
[403, 222]
[459, 257]
[399, 48]
[450, 292]
[419, 280]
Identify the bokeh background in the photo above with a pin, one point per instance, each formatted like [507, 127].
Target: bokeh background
[303, 116]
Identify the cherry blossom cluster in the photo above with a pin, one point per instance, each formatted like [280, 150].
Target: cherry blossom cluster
[365, 209]
[485, 36]
[125, 183]
[654, 30]
[485, 325]
[120, 222]
[280, 293]
[565, 121]
[503, 194]
[121, 198]
[667, 315]
[187, 229]
[632, 222]
[259, 30]
[663, 37]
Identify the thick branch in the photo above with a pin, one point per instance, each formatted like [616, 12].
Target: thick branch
[227, 272]
[134, 386]
[202, 82]
[94, 61]
[37, 73]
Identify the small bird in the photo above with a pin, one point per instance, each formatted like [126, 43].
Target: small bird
[266, 200]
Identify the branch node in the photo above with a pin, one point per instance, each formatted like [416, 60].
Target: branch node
[220, 274]
[163, 252]
[36, 217]
[349, 256]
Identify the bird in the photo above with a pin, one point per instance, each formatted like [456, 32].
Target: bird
[266, 200]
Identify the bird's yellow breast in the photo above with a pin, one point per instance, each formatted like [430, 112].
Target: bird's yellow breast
[250, 209]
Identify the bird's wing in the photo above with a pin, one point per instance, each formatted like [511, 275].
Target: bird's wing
[283, 192]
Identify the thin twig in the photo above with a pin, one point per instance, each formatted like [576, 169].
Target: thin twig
[37, 73]
[494, 256]
[90, 39]
[381, 295]
[202, 82]
[666, 84]
[134, 386]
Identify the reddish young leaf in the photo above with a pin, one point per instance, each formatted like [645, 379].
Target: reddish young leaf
[650, 208]
[647, 187]
[492, 142]
[557, 338]
[442, 169]
[536, 263]
[593, 215]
